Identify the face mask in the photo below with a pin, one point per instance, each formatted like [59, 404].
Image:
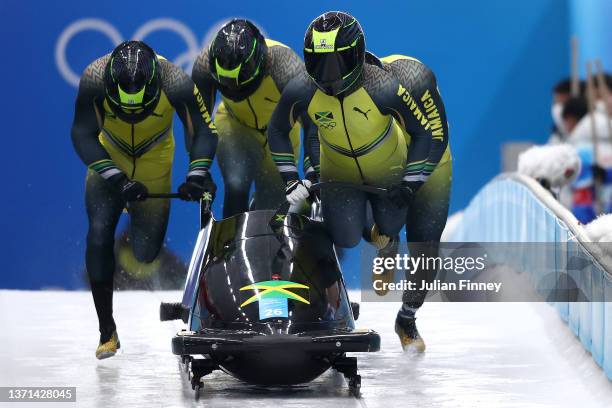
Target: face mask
[555, 112]
[600, 106]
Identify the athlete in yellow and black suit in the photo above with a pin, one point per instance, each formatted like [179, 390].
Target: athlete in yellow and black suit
[428, 210]
[122, 131]
[250, 73]
[380, 124]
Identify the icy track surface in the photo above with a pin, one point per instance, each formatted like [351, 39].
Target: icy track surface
[479, 355]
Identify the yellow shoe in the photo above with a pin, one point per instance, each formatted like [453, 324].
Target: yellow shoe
[108, 349]
[409, 336]
[388, 250]
[377, 239]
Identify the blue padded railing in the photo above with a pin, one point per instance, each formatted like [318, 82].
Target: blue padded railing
[515, 208]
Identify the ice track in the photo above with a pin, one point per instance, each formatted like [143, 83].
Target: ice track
[479, 355]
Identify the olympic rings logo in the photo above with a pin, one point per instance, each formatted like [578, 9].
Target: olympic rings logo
[184, 60]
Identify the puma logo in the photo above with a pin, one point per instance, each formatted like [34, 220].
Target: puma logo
[356, 109]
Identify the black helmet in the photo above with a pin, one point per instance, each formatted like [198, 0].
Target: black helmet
[334, 51]
[132, 81]
[237, 57]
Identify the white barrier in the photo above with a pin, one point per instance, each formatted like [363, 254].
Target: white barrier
[515, 208]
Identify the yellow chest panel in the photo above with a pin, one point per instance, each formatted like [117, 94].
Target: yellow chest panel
[256, 110]
[139, 138]
[351, 126]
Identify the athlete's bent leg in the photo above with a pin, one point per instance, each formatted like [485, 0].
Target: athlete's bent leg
[388, 217]
[104, 206]
[344, 214]
[388, 220]
[148, 224]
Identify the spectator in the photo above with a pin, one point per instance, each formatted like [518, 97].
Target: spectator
[574, 110]
[561, 94]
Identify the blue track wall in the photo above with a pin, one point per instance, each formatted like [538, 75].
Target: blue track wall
[495, 62]
[590, 22]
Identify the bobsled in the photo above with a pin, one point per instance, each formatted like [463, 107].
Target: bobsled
[265, 301]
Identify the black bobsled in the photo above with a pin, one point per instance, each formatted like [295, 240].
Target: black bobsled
[265, 301]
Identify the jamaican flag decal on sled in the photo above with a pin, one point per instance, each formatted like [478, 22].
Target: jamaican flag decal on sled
[273, 297]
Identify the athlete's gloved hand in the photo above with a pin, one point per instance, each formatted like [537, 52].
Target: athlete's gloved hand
[402, 194]
[312, 176]
[195, 186]
[130, 190]
[297, 191]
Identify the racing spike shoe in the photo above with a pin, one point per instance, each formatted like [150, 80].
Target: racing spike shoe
[388, 274]
[377, 239]
[108, 348]
[409, 336]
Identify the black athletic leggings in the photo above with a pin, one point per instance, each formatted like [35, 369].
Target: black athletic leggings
[149, 220]
[425, 222]
[346, 217]
[345, 214]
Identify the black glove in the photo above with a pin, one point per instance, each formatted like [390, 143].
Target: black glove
[599, 173]
[194, 188]
[401, 194]
[130, 190]
[312, 176]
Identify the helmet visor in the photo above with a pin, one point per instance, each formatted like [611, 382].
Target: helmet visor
[228, 83]
[132, 107]
[240, 76]
[330, 69]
